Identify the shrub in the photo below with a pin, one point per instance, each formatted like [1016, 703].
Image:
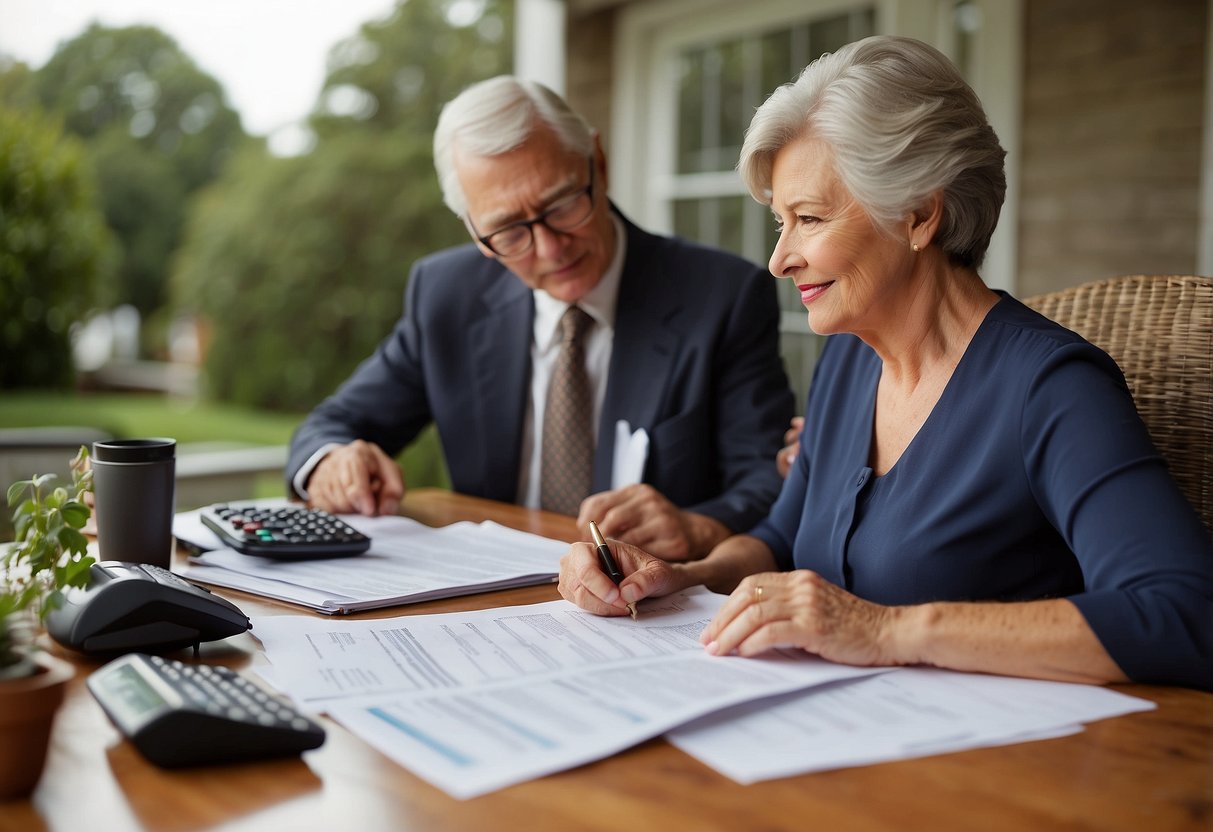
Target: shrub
[299, 265]
[54, 249]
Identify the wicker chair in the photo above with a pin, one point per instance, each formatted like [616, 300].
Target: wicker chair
[1159, 329]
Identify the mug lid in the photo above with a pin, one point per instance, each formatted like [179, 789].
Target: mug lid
[134, 450]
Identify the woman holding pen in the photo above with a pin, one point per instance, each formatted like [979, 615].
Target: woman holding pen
[973, 487]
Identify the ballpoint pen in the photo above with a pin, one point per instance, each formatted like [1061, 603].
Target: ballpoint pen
[607, 561]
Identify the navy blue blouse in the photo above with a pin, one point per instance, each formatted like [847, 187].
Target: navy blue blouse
[1033, 477]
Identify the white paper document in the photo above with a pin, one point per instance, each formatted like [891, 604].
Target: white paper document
[408, 562]
[475, 701]
[911, 712]
[631, 452]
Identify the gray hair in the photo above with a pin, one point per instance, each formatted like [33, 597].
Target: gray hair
[901, 124]
[496, 116]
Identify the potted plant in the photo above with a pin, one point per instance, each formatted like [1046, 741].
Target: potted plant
[49, 554]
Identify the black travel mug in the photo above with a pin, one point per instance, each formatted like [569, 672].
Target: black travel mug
[134, 490]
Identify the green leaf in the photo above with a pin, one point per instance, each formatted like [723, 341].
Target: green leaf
[26, 509]
[44, 479]
[76, 572]
[57, 497]
[54, 522]
[73, 541]
[75, 514]
[42, 555]
[17, 489]
[53, 601]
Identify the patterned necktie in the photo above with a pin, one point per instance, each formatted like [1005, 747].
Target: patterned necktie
[567, 455]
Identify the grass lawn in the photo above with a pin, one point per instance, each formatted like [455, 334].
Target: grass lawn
[127, 415]
[147, 414]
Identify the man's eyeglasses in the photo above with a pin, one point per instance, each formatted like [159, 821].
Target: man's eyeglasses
[565, 214]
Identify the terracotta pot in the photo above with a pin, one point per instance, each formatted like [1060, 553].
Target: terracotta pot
[27, 712]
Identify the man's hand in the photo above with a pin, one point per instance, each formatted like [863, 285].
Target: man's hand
[791, 446]
[356, 478]
[642, 516]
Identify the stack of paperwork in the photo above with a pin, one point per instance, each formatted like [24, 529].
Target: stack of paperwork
[408, 562]
[476, 701]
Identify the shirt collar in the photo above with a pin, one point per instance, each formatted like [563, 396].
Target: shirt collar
[600, 302]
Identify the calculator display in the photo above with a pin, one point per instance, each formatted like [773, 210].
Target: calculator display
[182, 714]
[131, 693]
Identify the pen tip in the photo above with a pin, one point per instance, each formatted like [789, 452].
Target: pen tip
[632, 610]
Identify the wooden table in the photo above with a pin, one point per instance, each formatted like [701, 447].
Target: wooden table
[1149, 771]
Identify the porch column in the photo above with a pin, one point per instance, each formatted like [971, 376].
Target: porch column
[539, 41]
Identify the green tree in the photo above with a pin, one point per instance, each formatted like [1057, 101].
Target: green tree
[17, 90]
[299, 265]
[54, 248]
[158, 128]
[139, 78]
[135, 186]
[396, 74]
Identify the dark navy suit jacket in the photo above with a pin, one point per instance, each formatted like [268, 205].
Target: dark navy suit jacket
[695, 361]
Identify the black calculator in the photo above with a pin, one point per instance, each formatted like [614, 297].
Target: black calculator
[286, 532]
[180, 714]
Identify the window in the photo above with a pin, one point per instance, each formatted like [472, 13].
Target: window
[719, 86]
[689, 74]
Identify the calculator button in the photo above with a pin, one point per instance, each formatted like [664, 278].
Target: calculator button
[184, 714]
[288, 532]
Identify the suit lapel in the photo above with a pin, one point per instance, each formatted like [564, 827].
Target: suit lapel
[501, 339]
[647, 340]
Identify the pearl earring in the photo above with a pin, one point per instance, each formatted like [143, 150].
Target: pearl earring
[914, 247]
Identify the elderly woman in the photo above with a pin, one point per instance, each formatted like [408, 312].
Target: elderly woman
[974, 488]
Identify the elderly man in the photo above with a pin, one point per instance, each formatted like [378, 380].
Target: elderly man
[563, 332]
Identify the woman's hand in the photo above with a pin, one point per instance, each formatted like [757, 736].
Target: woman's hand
[583, 582]
[801, 609]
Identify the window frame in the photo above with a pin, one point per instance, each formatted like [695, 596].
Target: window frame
[645, 93]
